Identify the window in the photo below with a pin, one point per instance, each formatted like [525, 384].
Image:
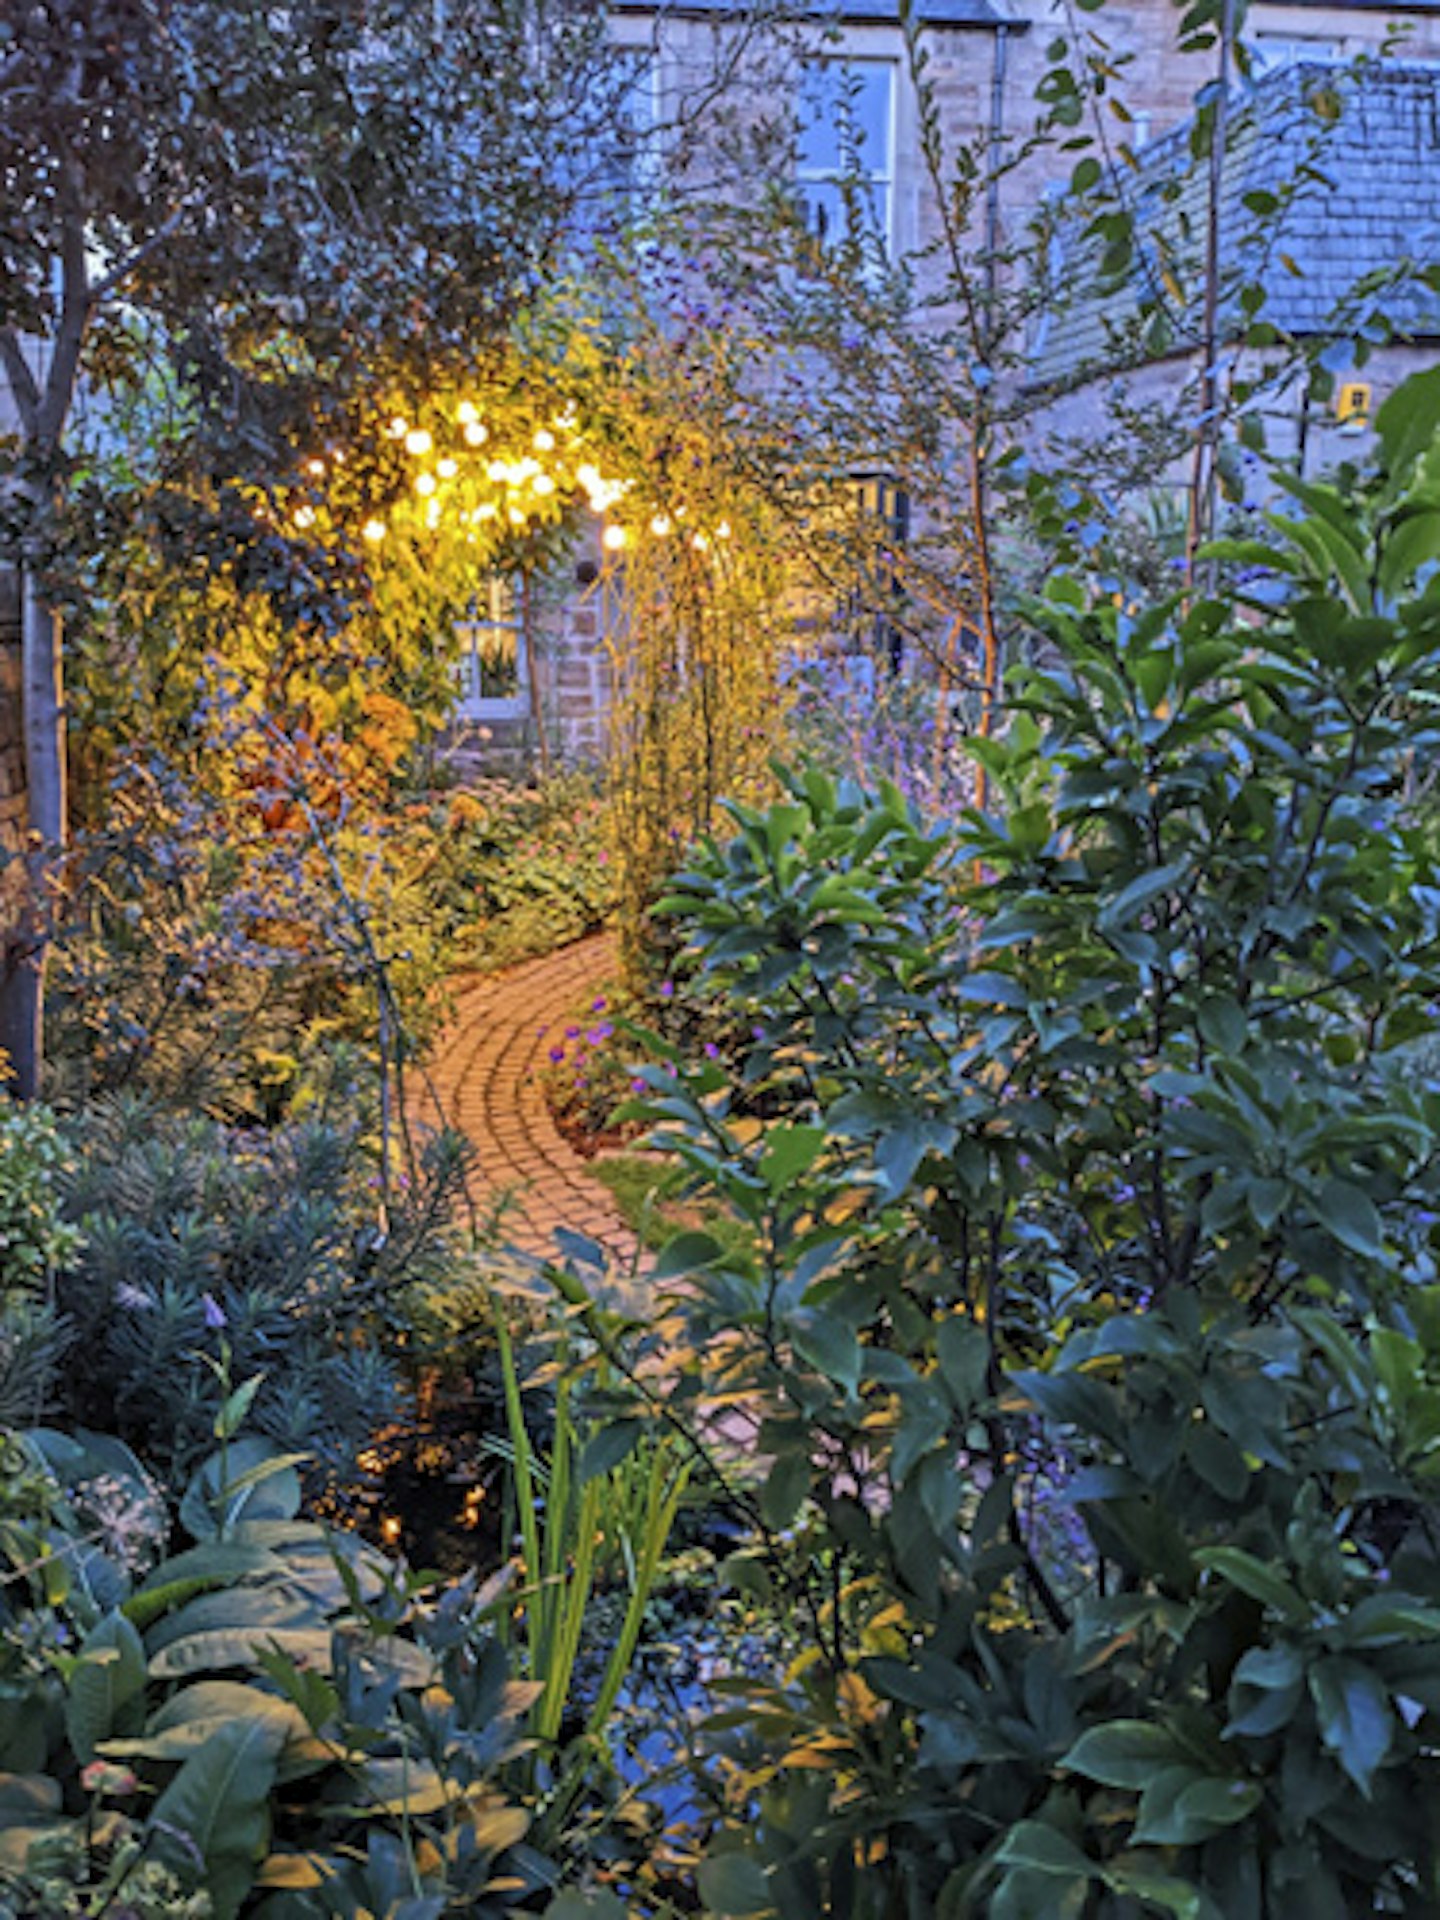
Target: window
[493, 666]
[876, 606]
[626, 162]
[1273, 52]
[846, 149]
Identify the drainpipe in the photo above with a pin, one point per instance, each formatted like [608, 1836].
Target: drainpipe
[1302, 440]
[1207, 438]
[994, 145]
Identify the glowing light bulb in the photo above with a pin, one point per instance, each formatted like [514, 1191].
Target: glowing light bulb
[447, 468]
[661, 525]
[614, 538]
[476, 434]
[399, 428]
[699, 543]
[544, 484]
[374, 531]
[432, 513]
[418, 441]
[544, 441]
[425, 483]
[517, 516]
[497, 471]
[304, 516]
[467, 413]
[722, 531]
[487, 510]
[316, 467]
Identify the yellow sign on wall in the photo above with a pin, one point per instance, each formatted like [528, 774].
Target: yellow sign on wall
[1352, 404]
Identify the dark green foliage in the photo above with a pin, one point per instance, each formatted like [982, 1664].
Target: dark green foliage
[277, 1239]
[273, 1704]
[1092, 1310]
[517, 871]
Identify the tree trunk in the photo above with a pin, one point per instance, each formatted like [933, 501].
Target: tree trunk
[22, 983]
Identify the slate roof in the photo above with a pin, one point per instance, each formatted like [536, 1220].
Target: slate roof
[1352, 159]
[934, 13]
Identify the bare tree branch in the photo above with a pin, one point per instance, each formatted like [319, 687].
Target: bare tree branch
[22, 380]
[117, 276]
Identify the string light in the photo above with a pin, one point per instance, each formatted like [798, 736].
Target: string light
[315, 467]
[544, 441]
[447, 468]
[467, 413]
[614, 538]
[418, 440]
[425, 483]
[304, 516]
[476, 434]
[661, 525]
[374, 531]
[544, 484]
[399, 428]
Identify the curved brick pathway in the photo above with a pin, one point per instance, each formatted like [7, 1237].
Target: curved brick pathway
[484, 1073]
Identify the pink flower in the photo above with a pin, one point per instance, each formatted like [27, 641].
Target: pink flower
[102, 1777]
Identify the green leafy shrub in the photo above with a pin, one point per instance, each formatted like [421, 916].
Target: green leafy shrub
[36, 1242]
[519, 871]
[280, 1237]
[272, 1709]
[1091, 1311]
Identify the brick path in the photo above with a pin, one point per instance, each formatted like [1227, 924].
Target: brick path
[483, 1071]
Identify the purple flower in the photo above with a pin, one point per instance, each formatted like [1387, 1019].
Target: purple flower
[572, 1033]
[557, 1054]
[637, 1086]
[667, 988]
[214, 1312]
[712, 1052]
[599, 1006]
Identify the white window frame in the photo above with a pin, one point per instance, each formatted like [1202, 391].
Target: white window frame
[1275, 52]
[879, 180]
[642, 87]
[504, 613]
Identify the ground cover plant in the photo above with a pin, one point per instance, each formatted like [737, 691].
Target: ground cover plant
[1091, 1316]
[233, 1703]
[519, 870]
